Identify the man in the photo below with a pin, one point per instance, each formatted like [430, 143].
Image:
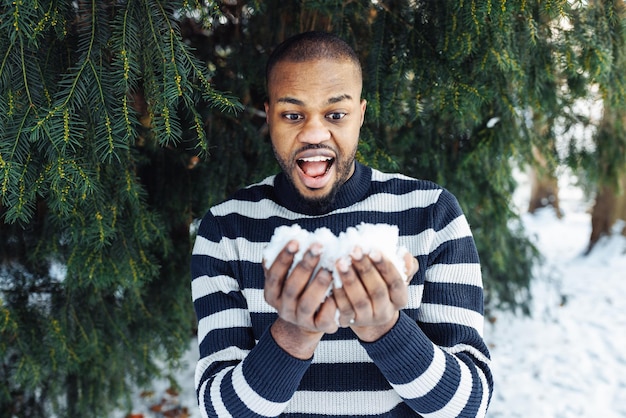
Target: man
[271, 342]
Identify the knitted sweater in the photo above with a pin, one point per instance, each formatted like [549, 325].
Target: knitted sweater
[432, 363]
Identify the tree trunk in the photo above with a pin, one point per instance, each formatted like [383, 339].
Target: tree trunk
[544, 189]
[610, 205]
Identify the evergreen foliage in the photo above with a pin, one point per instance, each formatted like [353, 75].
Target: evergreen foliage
[114, 140]
[95, 198]
[604, 160]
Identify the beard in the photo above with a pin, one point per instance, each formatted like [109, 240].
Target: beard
[319, 204]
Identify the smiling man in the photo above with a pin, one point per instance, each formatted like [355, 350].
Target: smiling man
[274, 342]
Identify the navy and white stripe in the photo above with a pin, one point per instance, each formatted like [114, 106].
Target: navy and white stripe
[433, 363]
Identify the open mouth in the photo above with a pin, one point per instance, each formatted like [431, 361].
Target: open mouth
[316, 166]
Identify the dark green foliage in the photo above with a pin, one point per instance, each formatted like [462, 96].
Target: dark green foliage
[94, 179]
[115, 136]
[603, 60]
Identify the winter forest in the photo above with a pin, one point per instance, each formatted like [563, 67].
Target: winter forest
[122, 122]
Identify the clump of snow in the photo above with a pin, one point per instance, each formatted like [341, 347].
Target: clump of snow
[369, 237]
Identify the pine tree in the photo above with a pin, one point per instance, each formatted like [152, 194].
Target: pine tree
[603, 163]
[99, 126]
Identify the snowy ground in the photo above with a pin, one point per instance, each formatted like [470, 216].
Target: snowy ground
[568, 358]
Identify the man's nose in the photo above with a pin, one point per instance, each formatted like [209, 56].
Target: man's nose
[314, 131]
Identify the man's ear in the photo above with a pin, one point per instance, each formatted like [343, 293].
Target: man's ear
[363, 107]
[267, 111]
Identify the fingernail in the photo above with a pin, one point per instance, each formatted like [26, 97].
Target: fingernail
[357, 253]
[292, 247]
[343, 264]
[315, 249]
[376, 256]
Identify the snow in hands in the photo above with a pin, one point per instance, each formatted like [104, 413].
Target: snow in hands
[369, 237]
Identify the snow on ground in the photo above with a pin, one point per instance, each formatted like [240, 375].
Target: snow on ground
[568, 358]
[565, 360]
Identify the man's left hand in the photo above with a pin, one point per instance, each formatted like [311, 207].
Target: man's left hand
[373, 293]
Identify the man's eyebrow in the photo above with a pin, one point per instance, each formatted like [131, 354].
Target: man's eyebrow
[338, 99]
[298, 102]
[290, 100]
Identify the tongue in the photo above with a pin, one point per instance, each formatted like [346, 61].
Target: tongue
[314, 169]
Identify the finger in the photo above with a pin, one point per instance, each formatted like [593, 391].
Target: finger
[354, 290]
[371, 277]
[346, 316]
[276, 274]
[325, 317]
[395, 281]
[313, 296]
[412, 266]
[296, 283]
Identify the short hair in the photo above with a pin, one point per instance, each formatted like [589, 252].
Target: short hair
[309, 46]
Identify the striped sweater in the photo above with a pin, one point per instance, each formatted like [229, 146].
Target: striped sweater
[432, 363]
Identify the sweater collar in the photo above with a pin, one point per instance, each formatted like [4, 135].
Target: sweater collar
[352, 191]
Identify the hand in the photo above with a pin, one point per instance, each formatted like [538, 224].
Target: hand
[373, 293]
[304, 310]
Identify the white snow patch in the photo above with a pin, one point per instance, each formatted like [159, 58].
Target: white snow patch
[369, 237]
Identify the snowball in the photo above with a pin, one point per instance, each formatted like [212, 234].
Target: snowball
[369, 237]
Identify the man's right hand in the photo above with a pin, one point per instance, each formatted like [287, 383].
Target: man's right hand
[305, 313]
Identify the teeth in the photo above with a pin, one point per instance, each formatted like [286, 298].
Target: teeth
[316, 159]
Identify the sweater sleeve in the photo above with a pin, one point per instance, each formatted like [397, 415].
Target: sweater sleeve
[439, 363]
[232, 377]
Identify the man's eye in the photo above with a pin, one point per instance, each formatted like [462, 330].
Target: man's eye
[336, 115]
[292, 116]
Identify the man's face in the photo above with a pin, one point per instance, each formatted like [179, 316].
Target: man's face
[314, 115]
